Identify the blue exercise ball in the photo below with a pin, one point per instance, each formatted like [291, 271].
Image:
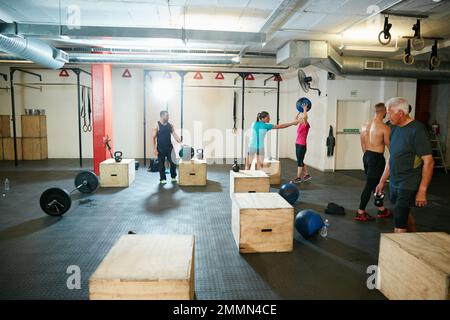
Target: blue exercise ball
[289, 192]
[302, 102]
[308, 222]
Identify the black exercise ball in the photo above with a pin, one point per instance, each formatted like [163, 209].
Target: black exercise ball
[289, 192]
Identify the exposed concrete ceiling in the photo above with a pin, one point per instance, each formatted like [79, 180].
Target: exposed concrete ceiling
[261, 26]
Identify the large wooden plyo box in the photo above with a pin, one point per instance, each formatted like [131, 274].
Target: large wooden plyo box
[146, 267]
[249, 181]
[34, 148]
[262, 222]
[34, 126]
[272, 168]
[192, 173]
[117, 174]
[415, 266]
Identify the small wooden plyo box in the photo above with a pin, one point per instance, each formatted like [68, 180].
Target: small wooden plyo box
[117, 174]
[146, 267]
[272, 168]
[192, 172]
[262, 222]
[249, 181]
[415, 266]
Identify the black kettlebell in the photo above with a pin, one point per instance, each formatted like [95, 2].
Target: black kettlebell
[235, 166]
[379, 199]
[118, 156]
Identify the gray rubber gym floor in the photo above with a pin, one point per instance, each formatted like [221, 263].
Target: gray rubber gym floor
[36, 249]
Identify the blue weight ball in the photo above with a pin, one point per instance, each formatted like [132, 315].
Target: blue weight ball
[301, 102]
[289, 192]
[308, 222]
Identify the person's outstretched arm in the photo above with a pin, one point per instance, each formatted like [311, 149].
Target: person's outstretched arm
[285, 125]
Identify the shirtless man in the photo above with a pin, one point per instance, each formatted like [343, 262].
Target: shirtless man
[374, 138]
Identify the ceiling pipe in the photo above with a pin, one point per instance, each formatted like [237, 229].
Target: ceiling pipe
[34, 50]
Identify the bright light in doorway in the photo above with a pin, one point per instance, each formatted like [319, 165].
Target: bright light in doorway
[163, 89]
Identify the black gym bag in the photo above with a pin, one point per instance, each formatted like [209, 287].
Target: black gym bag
[333, 208]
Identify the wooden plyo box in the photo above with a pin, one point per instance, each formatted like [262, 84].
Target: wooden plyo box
[415, 266]
[8, 148]
[35, 148]
[192, 173]
[146, 267]
[272, 168]
[34, 126]
[262, 222]
[117, 174]
[5, 126]
[249, 181]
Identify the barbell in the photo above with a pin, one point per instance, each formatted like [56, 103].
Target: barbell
[57, 201]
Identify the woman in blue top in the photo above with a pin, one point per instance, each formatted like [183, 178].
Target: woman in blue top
[256, 143]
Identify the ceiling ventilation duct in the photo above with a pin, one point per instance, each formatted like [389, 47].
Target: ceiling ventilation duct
[319, 53]
[34, 50]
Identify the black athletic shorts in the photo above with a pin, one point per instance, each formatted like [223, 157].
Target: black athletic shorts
[300, 151]
[402, 200]
[374, 164]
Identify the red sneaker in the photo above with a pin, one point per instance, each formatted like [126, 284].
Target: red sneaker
[363, 217]
[386, 213]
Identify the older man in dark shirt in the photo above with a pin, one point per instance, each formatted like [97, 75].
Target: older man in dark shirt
[410, 165]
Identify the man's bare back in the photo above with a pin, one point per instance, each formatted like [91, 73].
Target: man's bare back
[375, 136]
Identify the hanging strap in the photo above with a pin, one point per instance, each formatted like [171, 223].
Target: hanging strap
[89, 127]
[234, 113]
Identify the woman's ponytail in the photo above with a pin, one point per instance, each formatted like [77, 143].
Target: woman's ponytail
[261, 115]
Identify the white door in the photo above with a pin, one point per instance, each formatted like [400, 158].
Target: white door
[351, 115]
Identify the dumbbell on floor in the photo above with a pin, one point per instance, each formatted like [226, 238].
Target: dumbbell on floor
[57, 201]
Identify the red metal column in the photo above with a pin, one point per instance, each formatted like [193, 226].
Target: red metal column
[101, 111]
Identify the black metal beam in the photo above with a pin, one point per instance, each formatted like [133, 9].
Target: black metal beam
[80, 147]
[13, 106]
[146, 85]
[242, 75]
[181, 74]
[278, 113]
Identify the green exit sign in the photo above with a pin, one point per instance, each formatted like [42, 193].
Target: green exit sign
[354, 93]
[351, 130]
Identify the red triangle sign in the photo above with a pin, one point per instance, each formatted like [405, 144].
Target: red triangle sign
[126, 74]
[249, 76]
[219, 76]
[63, 73]
[198, 76]
[277, 78]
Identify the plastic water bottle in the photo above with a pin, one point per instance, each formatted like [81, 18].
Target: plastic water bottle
[324, 230]
[6, 185]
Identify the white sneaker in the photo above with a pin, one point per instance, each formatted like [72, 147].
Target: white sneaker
[174, 180]
[163, 181]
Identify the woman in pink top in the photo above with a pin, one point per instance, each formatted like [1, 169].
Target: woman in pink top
[300, 147]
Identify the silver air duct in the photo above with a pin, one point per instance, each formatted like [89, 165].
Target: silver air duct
[34, 50]
[321, 54]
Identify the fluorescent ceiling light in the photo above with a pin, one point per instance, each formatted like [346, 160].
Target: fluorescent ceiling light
[369, 48]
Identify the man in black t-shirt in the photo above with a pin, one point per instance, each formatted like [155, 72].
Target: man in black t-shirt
[410, 165]
[162, 144]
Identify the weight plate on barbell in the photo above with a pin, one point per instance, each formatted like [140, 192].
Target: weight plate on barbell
[55, 201]
[86, 182]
